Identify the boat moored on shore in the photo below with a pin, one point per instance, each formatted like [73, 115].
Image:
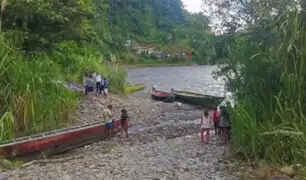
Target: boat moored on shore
[207, 101]
[57, 141]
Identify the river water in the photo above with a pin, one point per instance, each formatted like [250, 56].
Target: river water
[191, 78]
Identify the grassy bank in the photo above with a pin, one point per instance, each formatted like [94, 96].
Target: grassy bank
[269, 119]
[33, 98]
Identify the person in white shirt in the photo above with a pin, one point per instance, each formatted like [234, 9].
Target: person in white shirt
[98, 83]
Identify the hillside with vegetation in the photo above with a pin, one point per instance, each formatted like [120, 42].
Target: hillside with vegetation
[47, 42]
[161, 25]
[109, 28]
[262, 48]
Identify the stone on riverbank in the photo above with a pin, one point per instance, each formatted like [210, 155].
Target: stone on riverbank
[289, 171]
[163, 144]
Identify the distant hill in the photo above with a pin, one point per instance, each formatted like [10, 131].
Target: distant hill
[108, 27]
[161, 24]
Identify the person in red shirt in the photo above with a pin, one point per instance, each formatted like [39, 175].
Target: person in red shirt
[215, 120]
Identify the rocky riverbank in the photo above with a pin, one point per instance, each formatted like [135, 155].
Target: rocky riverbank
[163, 144]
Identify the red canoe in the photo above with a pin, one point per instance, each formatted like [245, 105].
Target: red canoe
[160, 95]
[58, 140]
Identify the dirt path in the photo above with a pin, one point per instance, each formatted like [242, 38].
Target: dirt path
[163, 145]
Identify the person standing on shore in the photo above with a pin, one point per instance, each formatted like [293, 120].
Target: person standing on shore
[107, 115]
[89, 84]
[98, 83]
[125, 122]
[105, 87]
[85, 76]
[224, 124]
[215, 121]
[205, 127]
[94, 75]
[229, 109]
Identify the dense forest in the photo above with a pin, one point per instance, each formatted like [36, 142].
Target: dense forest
[105, 26]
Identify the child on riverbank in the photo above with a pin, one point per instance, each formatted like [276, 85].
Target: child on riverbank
[205, 127]
[215, 121]
[124, 121]
[107, 115]
[105, 87]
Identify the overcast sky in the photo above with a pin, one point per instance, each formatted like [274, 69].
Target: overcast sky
[193, 5]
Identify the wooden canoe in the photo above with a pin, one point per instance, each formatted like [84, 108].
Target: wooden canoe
[160, 95]
[57, 141]
[207, 101]
[131, 88]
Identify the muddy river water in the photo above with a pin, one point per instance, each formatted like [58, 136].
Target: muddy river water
[192, 78]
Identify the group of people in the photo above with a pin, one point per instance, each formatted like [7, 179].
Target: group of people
[219, 120]
[95, 81]
[124, 120]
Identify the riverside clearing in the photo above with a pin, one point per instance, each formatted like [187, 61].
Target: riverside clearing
[164, 144]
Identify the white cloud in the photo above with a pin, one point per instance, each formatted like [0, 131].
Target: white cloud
[193, 5]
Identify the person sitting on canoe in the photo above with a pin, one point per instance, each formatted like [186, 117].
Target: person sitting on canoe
[205, 127]
[107, 115]
[125, 121]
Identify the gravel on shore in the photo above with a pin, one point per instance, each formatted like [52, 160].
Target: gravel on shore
[164, 145]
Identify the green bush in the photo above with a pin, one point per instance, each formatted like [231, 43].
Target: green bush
[33, 97]
[269, 119]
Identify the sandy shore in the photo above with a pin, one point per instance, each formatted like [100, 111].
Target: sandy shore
[163, 145]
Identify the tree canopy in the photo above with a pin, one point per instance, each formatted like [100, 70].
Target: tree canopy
[105, 25]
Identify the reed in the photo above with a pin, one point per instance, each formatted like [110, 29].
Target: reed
[117, 77]
[269, 118]
[33, 98]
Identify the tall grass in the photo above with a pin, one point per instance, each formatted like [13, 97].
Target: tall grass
[32, 97]
[269, 119]
[116, 76]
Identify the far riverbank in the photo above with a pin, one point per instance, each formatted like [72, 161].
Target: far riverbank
[158, 64]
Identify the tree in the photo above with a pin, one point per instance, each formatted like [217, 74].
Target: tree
[235, 15]
[47, 22]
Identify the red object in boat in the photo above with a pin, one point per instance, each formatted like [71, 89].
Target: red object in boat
[59, 140]
[160, 95]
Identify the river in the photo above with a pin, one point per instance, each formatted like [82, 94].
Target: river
[191, 78]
